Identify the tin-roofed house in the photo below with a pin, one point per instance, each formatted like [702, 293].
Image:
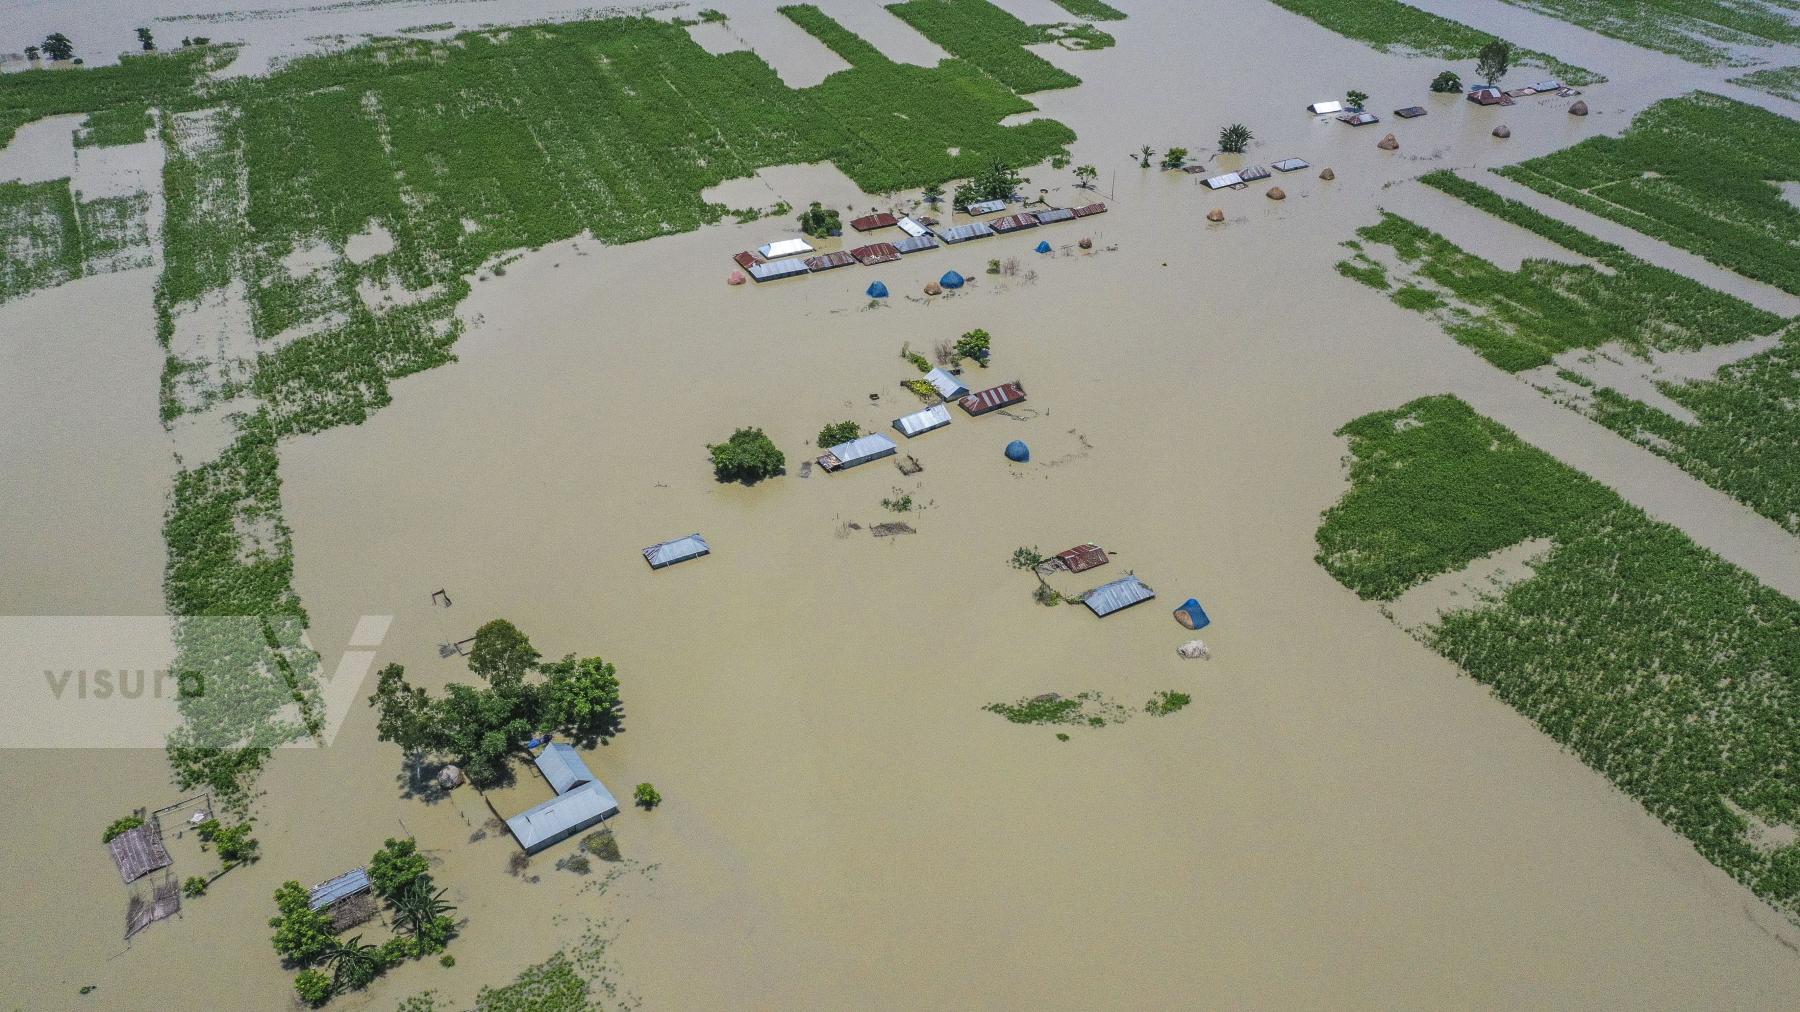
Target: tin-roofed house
[348, 899]
[916, 243]
[1291, 165]
[870, 222]
[1228, 179]
[561, 765]
[1253, 172]
[985, 207]
[963, 233]
[983, 401]
[775, 270]
[563, 816]
[1082, 558]
[875, 253]
[829, 261]
[1014, 222]
[860, 450]
[1055, 214]
[784, 248]
[1087, 209]
[1325, 108]
[947, 386]
[913, 227]
[920, 422]
[1117, 596]
[680, 550]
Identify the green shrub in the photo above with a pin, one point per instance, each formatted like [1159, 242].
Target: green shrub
[1166, 702]
[837, 432]
[396, 866]
[647, 796]
[975, 345]
[313, 987]
[194, 887]
[120, 827]
[1447, 83]
[302, 934]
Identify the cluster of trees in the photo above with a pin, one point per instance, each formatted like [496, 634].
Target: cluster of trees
[478, 728]
[975, 345]
[837, 432]
[330, 966]
[58, 46]
[996, 182]
[748, 456]
[818, 220]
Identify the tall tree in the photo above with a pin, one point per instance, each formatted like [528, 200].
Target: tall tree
[1494, 60]
[501, 654]
[405, 711]
[145, 40]
[1085, 176]
[58, 47]
[581, 695]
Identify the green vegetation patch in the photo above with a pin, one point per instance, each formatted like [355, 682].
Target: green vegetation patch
[1090, 709]
[1667, 669]
[554, 985]
[1392, 26]
[1521, 319]
[990, 38]
[1166, 702]
[1783, 82]
[171, 80]
[1699, 31]
[42, 240]
[1091, 10]
[1701, 172]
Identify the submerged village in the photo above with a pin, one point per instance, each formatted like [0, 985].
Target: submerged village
[1005, 502]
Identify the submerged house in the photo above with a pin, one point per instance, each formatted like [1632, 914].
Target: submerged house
[916, 243]
[1291, 164]
[1226, 180]
[784, 248]
[775, 270]
[860, 450]
[870, 222]
[829, 261]
[1055, 214]
[1325, 108]
[963, 233]
[1410, 112]
[1488, 95]
[913, 227]
[348, 899]
[1082, 558]
[875, 253]
[1253, 172]
[1087, 209]
[1014, 222]
[920, 422]
[680, 550]
[947, 386]
[993, 398]
[1359, 118]
[985, 207]
[1117, 596]
[581, 801]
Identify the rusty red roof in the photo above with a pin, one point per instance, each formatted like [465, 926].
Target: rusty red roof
[873, 221]
[875, 253]
[746, 260]
[983, 401]
[1014, 222]
[1082, 558]
[1082, 212]
[827, 261]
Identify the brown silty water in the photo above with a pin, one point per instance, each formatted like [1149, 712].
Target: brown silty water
[1339, 818]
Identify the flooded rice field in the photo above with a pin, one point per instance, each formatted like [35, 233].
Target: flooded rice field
[1340, 818]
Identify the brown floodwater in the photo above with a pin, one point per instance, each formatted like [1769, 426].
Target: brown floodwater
[1339, 818]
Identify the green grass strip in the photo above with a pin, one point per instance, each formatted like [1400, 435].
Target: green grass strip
[1392, 26]
[1699, 31]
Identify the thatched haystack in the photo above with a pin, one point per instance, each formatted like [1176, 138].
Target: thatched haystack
[1503, 131]
[1388, 143]
[932, 288]
[1328, 174]
[1578, 109]
[735, 278]
[1215, 215]
[1277, 193]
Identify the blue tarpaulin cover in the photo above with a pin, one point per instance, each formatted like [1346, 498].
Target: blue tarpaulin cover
[1017, 451]
[877, 290]
[1193, 616]
[951, 279]
[1043, 246]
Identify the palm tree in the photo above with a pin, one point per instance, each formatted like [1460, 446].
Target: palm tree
[418, 907]
[353, 964]
[1234, 138]
[1085, 176]
[1144, 156]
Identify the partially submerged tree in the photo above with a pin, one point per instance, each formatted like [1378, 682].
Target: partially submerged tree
[1447, 83]
[1174, 158]
[1085, 176]
[818, 220]
[1145, 153]
[396, 866]
[974, 344]
[1494, 60]
[647, 795]
[31, 53]
[747, 456]
[145, 40]
[58, 47]
[501, 654]
[837, 432]
[996, 182]
[933, 195]
[1355, 99]
[1235, 138]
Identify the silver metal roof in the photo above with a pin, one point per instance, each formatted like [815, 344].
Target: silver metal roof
[963, 233]
[920, 422]
[863, 449]
[985, 207]
[1253, 172]
[947, 386]
[1054, 214]
[680, 550]
[915, 244]
[1325, 108]
[562, 766]
[1291, 164]
[784, 248]
[1108, 598]
[1221, 182]
[778, 269]
[912, 228]
[563, 816]
[354, 881]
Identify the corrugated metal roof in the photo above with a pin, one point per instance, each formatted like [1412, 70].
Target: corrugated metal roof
[1054, 214]
[1014, 222]
[1292, 164]
[1325, 108]
[1253, 172]
[875, 253]
[354, 881]
[963, 233]
[562, 766]
[872, 221]
[746, 259]
[778, 269]
[680, 550]
[860, 450]
[1082, 558]
[920, 422]
[1119, 594]
[983, 401]
[916, 244]
[1548, 86]
[784, 248]
[947, 386]
[985, 207]
[829, 261]
[1410, 112]
[1087, 209]
[911, 227]
[1228, 179]
[1359, 118]
[563, 816]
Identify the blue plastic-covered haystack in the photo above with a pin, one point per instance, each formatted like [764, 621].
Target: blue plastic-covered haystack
[877, 290]
[1043, 246]
[1018, 452]
[1191, 615]
[951, 279]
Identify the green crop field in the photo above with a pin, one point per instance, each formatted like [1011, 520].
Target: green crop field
[1700, 172]
[1392, 26]
[464, 151]
[1699, 31]
[1671, 672]
[989, 38]
[1091, 10]
[1783, 82]
[1748, 416]
[1521, 319]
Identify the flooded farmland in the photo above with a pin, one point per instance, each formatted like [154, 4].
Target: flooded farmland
[1339, 818]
